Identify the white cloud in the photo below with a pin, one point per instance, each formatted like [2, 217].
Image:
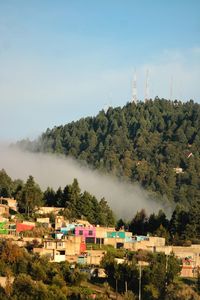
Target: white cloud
[54, 171]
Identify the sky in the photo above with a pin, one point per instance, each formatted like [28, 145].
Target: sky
[66, 59]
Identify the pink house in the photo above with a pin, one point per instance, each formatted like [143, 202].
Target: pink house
[88, 233]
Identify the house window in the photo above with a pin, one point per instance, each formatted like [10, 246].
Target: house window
[99, 241]
[80, 232]
[90, 240]
[60, 244]
[90, 232]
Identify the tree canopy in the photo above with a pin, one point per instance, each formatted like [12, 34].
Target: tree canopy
[156, 143]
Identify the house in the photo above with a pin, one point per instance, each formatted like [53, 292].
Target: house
[68, 229]
[81, 222]
[149, 243]
[12, 203]
[189, 258]
[178, 170]
[24, 226]
[48, 210]
[62, 249]
[101, 234]
[60, 221]
[91, 257]
[4, 210]
[119, 239]
[88, 234]
[4, 228]
[104, 236]
[44, 221]
[94, 257]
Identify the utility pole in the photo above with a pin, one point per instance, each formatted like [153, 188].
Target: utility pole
[126, 286]
[140, 281]
[166, 270]
[140, 264]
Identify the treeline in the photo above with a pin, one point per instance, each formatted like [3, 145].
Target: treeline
[76, 204]
[143, 143]
[79, 205]
[183, 227]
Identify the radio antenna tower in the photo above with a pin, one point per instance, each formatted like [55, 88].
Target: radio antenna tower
[134, 89]
[171, 88]
[146, 97]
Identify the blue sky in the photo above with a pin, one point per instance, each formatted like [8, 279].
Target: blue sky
[63, 60]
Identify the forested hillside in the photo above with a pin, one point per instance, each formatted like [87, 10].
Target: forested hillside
[156, 143]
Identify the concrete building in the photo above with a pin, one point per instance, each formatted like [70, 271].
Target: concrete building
[24, 226]
[189, 257]
[12, 203]
[87, 233]
[4, 210]
[59, 250]
[48, 210]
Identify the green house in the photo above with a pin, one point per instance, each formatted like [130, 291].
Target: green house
[3, 230]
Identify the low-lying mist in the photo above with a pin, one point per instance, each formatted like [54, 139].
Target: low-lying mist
[51, 170]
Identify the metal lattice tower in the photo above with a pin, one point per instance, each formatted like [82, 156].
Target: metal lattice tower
[134, 89]
[171, 88]
[146, 97]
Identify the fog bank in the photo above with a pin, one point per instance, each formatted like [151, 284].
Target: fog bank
[51, 170]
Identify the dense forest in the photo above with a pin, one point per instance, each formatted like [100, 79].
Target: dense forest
[156, 143]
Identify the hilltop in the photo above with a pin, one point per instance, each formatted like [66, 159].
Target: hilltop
[156, 143]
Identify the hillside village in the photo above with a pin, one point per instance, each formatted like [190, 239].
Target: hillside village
[80, 242]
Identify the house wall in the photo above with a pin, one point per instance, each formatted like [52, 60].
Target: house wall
[4, 209]
[12, 203]
[85, 231]
[47, 252]
[20, 227]
[74, 245]
[116, 234]
[113, 241]
[187, 271]
[94, 257]
[68, 228]
[43, 220]
[59, 257]
[3, 228]
[101, 232]
[60, 221]
[47, 210]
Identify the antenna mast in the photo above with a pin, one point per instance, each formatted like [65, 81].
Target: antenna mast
[171, 88]
[134, 89]
[146, 97]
